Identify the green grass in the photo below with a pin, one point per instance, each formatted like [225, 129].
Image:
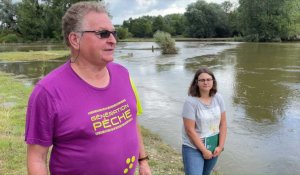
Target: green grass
[163, 159]
[33, 55]
[13, 103]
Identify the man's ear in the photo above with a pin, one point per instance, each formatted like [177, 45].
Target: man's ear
[74, 40]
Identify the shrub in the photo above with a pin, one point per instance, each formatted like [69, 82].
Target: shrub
[10, 38]
[122, 33]
[166, 43]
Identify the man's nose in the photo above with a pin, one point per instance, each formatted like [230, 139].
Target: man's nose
[112, 39]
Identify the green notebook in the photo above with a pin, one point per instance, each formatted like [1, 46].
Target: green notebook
[212, 142]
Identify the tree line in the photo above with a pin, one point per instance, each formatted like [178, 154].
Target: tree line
[253, 20]
[33, 20]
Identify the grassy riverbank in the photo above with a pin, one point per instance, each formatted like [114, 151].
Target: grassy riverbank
[33, 55]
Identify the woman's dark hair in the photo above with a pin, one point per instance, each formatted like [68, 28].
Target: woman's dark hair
[194, 89]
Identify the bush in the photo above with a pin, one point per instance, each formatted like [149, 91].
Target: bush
[122, 33]
[10, 38]
[166, 43]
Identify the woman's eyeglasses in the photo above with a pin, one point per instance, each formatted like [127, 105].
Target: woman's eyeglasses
[203, 80]
[101, 33]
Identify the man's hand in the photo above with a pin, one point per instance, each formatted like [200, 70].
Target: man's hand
[144, 168]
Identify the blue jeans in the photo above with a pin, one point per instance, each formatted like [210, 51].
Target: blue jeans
[194, 163]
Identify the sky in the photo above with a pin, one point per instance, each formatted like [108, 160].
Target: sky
[124, 9]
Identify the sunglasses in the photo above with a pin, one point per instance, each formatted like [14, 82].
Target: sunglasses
[101, 33]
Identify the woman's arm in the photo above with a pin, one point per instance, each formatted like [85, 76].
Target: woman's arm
[37, 159]
[189, 126]
[222, 136]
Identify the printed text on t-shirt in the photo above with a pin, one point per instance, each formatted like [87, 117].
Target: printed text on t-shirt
[110, 118]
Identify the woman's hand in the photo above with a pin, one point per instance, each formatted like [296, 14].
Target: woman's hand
[217, 151]
[207, 154]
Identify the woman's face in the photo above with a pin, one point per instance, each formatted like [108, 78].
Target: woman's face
[205, 82]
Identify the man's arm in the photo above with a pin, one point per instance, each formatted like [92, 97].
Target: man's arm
[144, 168]
[37, 160]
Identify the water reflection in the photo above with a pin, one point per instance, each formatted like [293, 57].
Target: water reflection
[258, 76]
[32, 71]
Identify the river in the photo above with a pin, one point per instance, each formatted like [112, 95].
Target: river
[260, 83]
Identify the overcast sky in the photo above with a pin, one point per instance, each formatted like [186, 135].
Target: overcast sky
[124, 9]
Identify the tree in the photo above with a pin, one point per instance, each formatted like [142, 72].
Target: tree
[158, 23]
[122, 32]
[41, 19]
[267, 20]
[176, 22]
[232, 17]
[141, 27]
[227, 6]
[206, 20]
[54, 10]
[30, 19]
[8, 15]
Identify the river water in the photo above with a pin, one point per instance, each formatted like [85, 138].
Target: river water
[260, 83]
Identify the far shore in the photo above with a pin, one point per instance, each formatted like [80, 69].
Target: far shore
[179, 39]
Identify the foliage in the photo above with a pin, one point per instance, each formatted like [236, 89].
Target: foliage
[158, 23]
[227, 6]
[141, 27]
[268, 20]
[298, 24]
[8, 15]
[34, 19]
[165, 41]
[10, 38]
[122, 32]
[234, 23]
[145, 26]
[255, 20]
[206, 20]
[30, 19]
[177, 23]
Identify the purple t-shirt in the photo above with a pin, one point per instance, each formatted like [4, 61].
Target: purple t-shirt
[92, 130]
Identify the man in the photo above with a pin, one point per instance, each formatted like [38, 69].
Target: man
[86, 109]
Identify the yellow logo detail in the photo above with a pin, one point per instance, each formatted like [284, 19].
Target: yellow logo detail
[129, 161]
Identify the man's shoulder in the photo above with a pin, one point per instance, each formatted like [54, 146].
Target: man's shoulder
[54, 76]
[117, 66]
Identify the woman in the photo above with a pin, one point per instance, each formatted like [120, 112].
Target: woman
[204, 120]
